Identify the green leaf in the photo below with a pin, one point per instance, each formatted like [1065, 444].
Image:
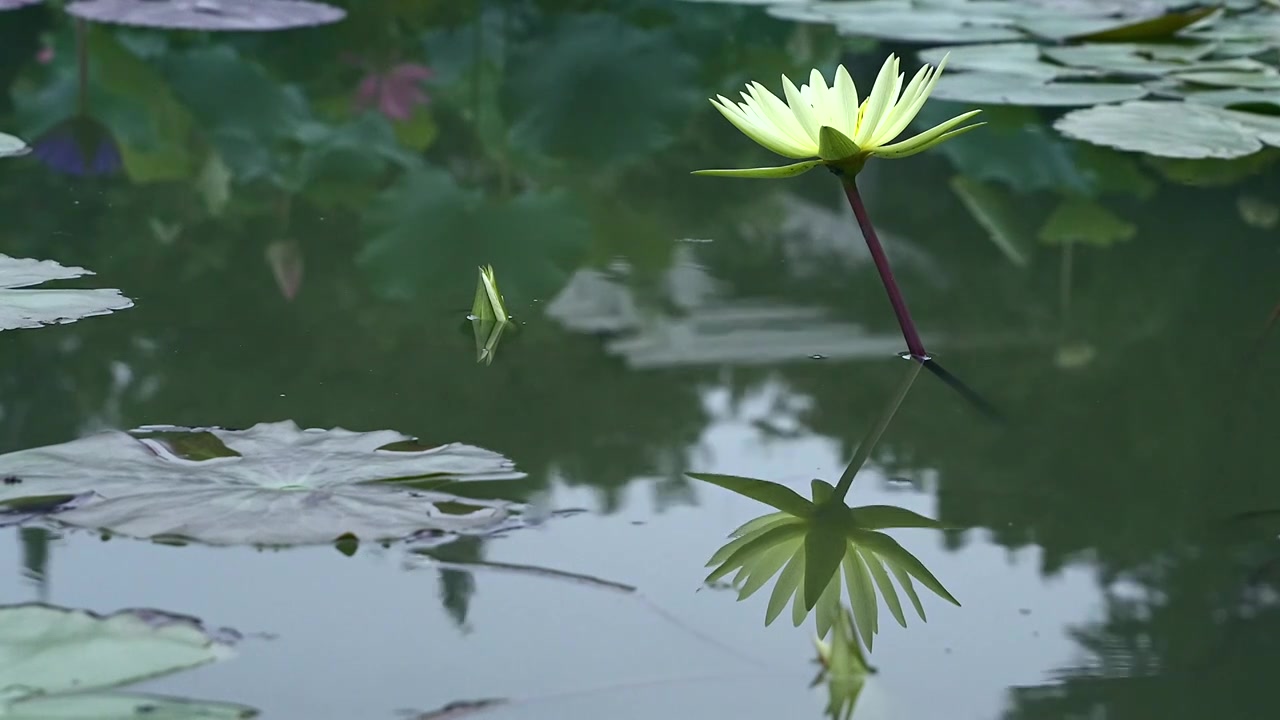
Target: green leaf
[834, 145]
[769, 493]
[764, 173]
[824, 547]
[1011, 58]
[880, 517]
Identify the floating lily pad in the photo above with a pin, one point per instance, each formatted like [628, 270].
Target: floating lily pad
[1142, 60]
[987, 88]
[1104, 29]
[1233, 79]
[57, 662]
[1012, 58]
[1264, 100]
[282, 486]
[25, 308]
[11, 146]
[1166, 129]
[242, 15]
[915, 22]
[15, 4]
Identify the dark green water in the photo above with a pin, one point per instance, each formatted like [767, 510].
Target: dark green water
[665, 323]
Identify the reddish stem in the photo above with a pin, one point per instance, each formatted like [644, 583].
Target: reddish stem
[909, 333]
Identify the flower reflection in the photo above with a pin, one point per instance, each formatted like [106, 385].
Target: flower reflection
[809, 544]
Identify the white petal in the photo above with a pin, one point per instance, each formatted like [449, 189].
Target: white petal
[846, 97]
[909, 112]
[904, 110]
[821, 98]
[877, 102]
[766, 136]
[802, 111]
[781, 116]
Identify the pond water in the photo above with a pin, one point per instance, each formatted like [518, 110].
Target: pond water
[298, 218]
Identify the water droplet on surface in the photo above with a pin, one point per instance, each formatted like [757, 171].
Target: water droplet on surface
[817, 356]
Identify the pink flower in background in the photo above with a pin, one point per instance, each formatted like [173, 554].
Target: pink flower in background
[394, 92]
[45, 55]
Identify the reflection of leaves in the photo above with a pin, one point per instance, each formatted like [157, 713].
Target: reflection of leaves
[426, 231]
[286, 487]
[811, 549]
[127, 95]
[995, 210]
[599, 91]
[844, 668]
[1081, 220]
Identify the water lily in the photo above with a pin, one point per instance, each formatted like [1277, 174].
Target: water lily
[828, 125]
[822, 125]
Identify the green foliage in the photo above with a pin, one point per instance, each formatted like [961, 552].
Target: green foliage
[425, 227]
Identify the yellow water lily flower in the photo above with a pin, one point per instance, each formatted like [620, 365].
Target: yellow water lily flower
[828, 125]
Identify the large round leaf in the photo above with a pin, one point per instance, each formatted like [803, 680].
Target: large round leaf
[1167, 129]
[272, 484]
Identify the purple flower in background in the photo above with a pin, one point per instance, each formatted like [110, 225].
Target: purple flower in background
[79, 146]
[394, 92]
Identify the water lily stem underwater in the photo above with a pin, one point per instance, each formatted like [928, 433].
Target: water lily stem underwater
[909, 333]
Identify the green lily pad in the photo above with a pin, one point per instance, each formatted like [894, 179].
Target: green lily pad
[1264, 101]
[1125, 58]
[917, 22]
[1116, 30]
[1003, 89]
[1233, 79]
[1084, 221]
[1165, 129]
[1012, 58]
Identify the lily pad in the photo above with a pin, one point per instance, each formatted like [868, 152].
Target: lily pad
[915, 22]
[1154, 27]
[15, 4]
[275, 485]
[1128, 59]
[1165, 129]
[988, 88]
[56, 662]
[238, 15]
[1011, 58]
[25, 308]
[11, 146]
